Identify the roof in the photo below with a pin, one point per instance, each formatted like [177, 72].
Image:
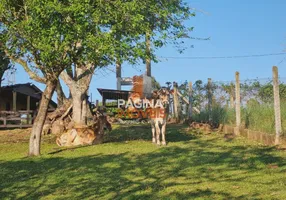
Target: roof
[25, 88]
[114, 94]
[28, 89]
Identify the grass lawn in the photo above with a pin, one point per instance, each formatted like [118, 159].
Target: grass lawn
[129, 166]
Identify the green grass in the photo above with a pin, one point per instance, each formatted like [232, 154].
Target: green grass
[129, 166]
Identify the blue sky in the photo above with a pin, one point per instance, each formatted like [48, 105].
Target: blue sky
[236, 27]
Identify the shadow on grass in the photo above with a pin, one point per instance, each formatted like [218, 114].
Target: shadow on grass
[199, 170]
[174, 133]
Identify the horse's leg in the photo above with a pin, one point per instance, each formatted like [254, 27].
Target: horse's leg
[153, 132]
[163, 133]
[158, 133]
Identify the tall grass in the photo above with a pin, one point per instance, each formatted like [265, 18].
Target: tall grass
[218, 115]
[257, 117]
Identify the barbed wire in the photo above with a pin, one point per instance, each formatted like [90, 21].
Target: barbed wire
[222, 57]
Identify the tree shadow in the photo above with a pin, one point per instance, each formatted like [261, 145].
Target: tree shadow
[205, 169]
[174, 133]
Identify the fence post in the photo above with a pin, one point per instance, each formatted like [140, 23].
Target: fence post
[28, 109]
[278, 128]
[237, 103]
[14, 101]
[176, 102]
[210, 98]
[190, 100]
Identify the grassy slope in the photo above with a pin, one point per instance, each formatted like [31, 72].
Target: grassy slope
[129, 166]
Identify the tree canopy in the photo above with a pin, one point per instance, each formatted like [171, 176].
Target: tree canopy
[46, 37]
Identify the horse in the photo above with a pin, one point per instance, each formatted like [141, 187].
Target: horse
[160, 116]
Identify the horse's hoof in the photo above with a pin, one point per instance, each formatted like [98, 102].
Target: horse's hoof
[158, 143]
[164, 143]
[154, 141]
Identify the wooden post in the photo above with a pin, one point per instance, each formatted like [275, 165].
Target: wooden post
[14, 101]
[148, 54]
[176, 101]
[103, 99]
[5, 121]
[96, 103]
[118, 74]
[210, 98]
[278, 128]
[28, 109]
[190, 100]
[171, 106]
[237, 103]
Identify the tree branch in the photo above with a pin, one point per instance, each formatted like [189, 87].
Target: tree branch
[24, 64]
[67, 79]
[89, 70]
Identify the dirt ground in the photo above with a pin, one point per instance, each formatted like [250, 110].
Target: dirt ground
[9, 136]
[14, 135]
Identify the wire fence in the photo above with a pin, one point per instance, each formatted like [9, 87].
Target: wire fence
[216, 104]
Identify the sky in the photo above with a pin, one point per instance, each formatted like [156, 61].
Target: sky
[235, 28]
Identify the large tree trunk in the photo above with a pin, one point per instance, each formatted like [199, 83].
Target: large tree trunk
[61, 97]
[80, 107]
[79, 85]
[35, 139]
[77, 99]
[84, 110]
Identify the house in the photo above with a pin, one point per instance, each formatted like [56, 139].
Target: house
[19, 104]
[21, 97]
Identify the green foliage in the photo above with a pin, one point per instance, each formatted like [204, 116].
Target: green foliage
[199, 93]
[219, 115]
[5, 64]
[257, 109]
[259, 117]
[265, 92]
[229, 88]
[184, 89]
[52, 34]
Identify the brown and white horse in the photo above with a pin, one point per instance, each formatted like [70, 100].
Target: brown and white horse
[161, 116]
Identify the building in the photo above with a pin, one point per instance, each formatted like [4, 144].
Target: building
[19, 104]
[21, 97]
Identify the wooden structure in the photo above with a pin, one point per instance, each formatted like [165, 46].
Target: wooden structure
[108, 94]
[147, 79]
[17, 119]
[19, 103]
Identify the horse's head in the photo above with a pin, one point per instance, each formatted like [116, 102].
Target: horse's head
[164, 96]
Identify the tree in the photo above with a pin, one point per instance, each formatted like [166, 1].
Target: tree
[128, 22]
[199, 94]
[230, 90]
[46, 37]
[123, 20]
[32, 35]
[73, 38]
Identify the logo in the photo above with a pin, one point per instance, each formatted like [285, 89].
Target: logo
[141, 108]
